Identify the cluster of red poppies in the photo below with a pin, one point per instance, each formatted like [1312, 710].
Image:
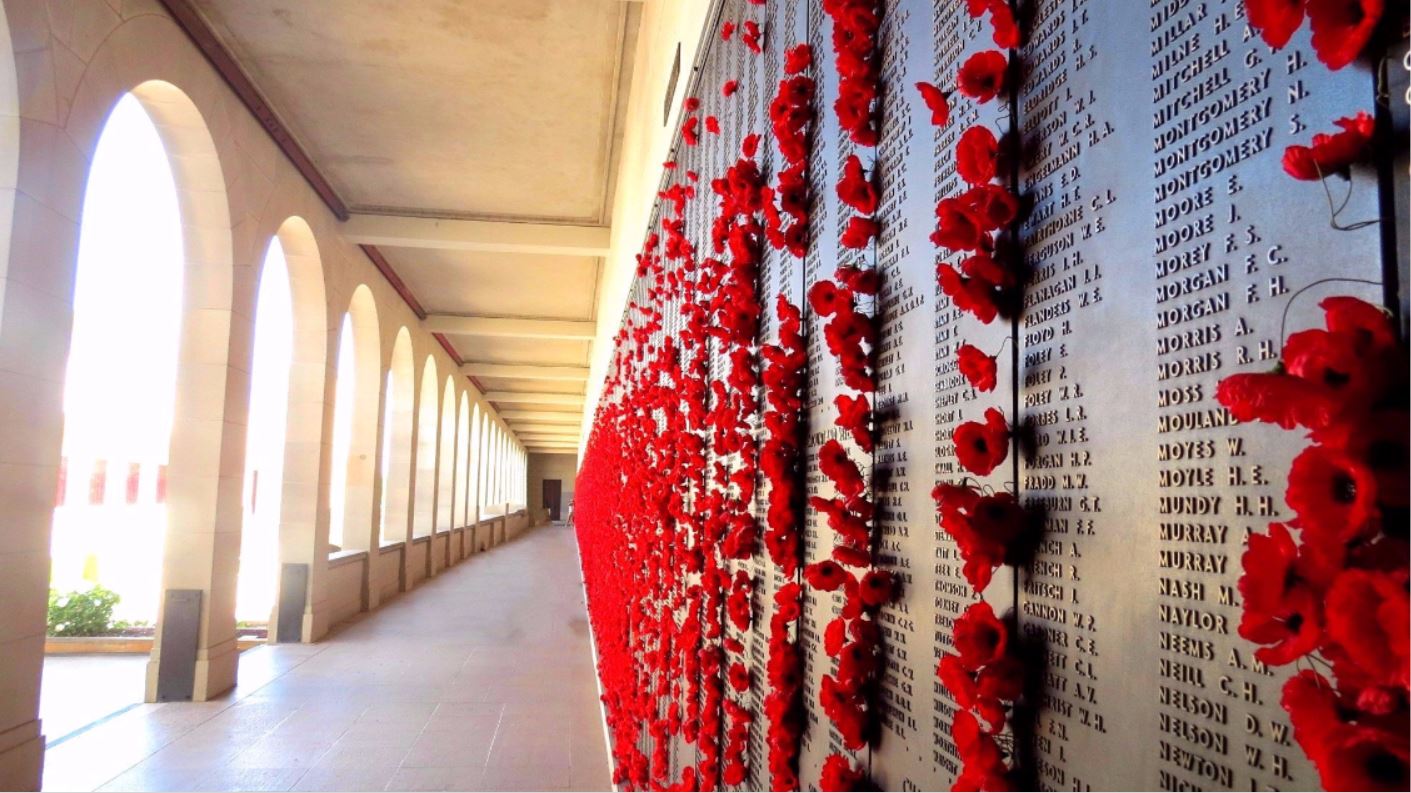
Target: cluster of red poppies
[984, 284]
[781, 461]
[1332, 153]
[858, 59]
[1342, 29]
[791, 116]
[628, 617]
[984, 676]
[783, 704]
[853, 638]
[1337, 589]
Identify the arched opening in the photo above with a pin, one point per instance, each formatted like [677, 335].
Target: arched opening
[397, 459]
[462, 516]
[446, 469]
[424, 509]
[110, 520]
[482, 475]
[473, 470]
[265, 436]
[355, 398]
[148, 415]
[304, 443]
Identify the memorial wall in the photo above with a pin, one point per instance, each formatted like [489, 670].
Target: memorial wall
[887, 226]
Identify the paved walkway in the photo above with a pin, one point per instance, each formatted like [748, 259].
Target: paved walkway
[82, 689]
[481, 679]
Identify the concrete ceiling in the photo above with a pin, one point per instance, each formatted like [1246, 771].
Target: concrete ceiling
[489, 113]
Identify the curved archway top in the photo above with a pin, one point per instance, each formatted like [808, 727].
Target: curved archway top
[362, 308]
[205, 209]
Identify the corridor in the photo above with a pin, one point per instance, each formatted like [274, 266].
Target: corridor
[480, 679]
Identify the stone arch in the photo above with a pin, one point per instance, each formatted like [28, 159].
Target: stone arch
[365, 371]
[203, 482]
[473, 468]
[305, 444]
[424, 480]
[462, 516]
[446, 459]
[398, 421]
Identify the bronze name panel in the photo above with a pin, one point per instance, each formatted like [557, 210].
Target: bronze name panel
[1165, 249]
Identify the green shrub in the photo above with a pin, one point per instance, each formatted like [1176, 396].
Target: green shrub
[85, 613]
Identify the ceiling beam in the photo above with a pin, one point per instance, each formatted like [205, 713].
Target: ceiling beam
[486, 236]
[545, 432]
[535, 399]
[508, 327]
[543, 416]
[186, 15]
[546, 426]
[518, 372]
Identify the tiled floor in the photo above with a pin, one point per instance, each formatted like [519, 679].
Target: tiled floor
[82, 689]
[481, 679]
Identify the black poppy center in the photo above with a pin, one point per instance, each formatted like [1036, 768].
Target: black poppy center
[1384, 766]
[1335, 378]
[1344, 488]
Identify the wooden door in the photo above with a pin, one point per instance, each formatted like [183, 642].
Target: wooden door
[553, 494]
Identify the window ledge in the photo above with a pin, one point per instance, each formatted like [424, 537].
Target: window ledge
[340, 558]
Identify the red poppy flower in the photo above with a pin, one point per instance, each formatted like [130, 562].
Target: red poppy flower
[690, 131]
[1006, 28]
[750, 36]
[876, 588]
[730, 87]
[957, 680]
[1280, 609]
[1368, 616]
[977, 155]
[855, 416]
[1366, 758]
[1312, 705]
[937, 101]
[1371, 326]
[979, 369]
[727, 29]
[1377, 439]
[712, 125]
[860, 232]
[739, 677]
[797, 58]
[1276, 20]
[1338, 363]
[838, 774]
[957, 228]
[750, 144]
[1342, 28]
[1331, 153]
[855, 189]
[826, 575]
[1333, 495]
[834, 462]
[981, 77]
[1002, 680]
[968, 294]
[980, 638]
[1278, 399]
[982, 447]
[992, 206]
[826, 299]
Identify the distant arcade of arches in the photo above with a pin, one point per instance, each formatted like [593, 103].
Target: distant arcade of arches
[344, 444]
